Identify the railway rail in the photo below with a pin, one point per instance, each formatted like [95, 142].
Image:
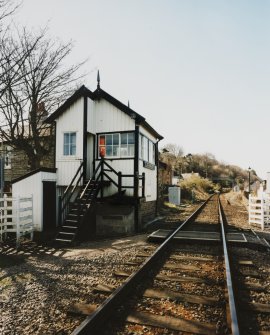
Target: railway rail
[182, 292]
[181, 287]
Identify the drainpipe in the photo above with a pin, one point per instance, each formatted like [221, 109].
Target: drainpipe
[136, 180]
[157, 164]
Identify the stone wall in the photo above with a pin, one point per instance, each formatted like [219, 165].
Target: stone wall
[147, 212]
[114, 220]
[19, 164]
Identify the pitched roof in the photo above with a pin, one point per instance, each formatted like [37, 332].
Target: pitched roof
[81, 92]
[101, 94]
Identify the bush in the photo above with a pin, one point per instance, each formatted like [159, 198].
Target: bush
[200, 186]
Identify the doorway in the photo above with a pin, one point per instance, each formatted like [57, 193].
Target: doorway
[49, 205]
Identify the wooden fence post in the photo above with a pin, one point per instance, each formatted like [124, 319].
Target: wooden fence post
[119, 181]
[143, 184]
[17, 221]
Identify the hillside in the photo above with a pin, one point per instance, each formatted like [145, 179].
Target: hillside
[207, 166]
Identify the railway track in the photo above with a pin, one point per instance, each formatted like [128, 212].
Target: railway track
[183, 287]
[187, 280]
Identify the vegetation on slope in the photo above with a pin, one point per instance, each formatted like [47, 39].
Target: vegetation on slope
[213, 175]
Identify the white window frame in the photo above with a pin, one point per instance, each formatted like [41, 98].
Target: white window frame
[119, 150]
[145, 153]
[70, 144]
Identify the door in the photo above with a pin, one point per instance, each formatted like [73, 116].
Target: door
[49, 205]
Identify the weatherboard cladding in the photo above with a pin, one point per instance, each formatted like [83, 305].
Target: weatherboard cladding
[99, 94]
[69, 121]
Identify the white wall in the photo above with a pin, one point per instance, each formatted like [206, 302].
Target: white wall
[147, 134]
[91, 116]
[126, 166]
[32, 185]
[150, 182]
[150, 175]
[70, 121]
[109, 118]
[102, 117]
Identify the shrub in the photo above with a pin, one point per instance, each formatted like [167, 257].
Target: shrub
[200, 186]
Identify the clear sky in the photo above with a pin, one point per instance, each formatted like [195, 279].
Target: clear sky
[197, 70]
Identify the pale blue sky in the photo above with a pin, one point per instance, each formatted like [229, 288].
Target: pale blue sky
[199, 71]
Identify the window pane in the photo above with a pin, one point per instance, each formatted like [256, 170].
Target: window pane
[115, 151]
[131, 150]
[69, 144]
[124, 150]
[109, 140]
[66, 138]
[73, 150]
[115, 139]
[102, 151]
[108, 150]
[150, 151]
[145, 149]
[141, 147]
[154, 154]
[131, 138]
[123, 138]
[73, 138]
[102, 140]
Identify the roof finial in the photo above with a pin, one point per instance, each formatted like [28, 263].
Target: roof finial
[128, 104]
[98, 80]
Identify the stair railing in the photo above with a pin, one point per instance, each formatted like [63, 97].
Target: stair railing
[64, 200]
[97, 185]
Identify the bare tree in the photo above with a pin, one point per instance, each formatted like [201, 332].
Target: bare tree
[172, 154]
[7, 8]
[174, 149]
[34, 83]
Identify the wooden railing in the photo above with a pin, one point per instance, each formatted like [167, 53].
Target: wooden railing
[259, 210]
[64, 200]
[96, 183]
[119, 177]
[100, 175]
[16, 216]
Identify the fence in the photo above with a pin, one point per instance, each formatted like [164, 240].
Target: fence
[16, 216]
[259, 210]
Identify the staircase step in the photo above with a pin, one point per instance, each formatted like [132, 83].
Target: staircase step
[63, 240]
[77, 209]
[70, 227]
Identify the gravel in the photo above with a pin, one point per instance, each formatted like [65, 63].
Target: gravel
[36, 295]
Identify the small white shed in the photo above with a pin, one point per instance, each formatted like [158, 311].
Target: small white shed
[41, 184]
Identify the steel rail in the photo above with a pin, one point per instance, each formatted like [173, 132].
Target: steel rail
[232, 304]
[90, 325]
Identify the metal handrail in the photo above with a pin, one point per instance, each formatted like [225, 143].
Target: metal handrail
[232, 303]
